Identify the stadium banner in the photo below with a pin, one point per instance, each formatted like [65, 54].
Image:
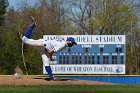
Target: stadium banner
[87, 69]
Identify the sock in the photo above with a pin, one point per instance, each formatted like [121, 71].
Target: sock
[29, 31]
[48, 69]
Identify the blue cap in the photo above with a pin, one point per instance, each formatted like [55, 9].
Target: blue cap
[72, 40]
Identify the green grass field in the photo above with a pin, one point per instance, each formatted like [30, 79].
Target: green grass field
[71, 89]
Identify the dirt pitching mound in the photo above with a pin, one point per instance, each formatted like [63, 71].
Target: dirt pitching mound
[11, 80]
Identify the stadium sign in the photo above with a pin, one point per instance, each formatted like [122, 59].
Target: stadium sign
[94, 54]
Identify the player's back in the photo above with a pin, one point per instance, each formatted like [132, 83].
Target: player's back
[57, 45]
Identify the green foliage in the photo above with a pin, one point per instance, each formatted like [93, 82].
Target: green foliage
[11, 46]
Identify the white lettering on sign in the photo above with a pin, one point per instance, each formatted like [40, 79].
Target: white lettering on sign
[90, 39]
[87, 69]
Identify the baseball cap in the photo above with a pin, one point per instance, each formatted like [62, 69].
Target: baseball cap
[72, 40]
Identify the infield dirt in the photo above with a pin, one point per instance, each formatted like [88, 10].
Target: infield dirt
[30, 80]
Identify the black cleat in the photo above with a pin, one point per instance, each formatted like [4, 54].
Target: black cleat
[33, 24]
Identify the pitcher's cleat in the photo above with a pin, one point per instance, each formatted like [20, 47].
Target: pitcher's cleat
[56, 79]
[34, 22]
[53, 79]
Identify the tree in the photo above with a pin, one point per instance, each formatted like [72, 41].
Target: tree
[52, 16]
[102, 16]
[3, 6]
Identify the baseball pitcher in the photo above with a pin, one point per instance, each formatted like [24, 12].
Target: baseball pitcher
[48, 47]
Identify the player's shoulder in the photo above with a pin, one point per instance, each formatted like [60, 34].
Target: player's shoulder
[58, 40]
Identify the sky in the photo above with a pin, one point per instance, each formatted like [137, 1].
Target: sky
[14, 3]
